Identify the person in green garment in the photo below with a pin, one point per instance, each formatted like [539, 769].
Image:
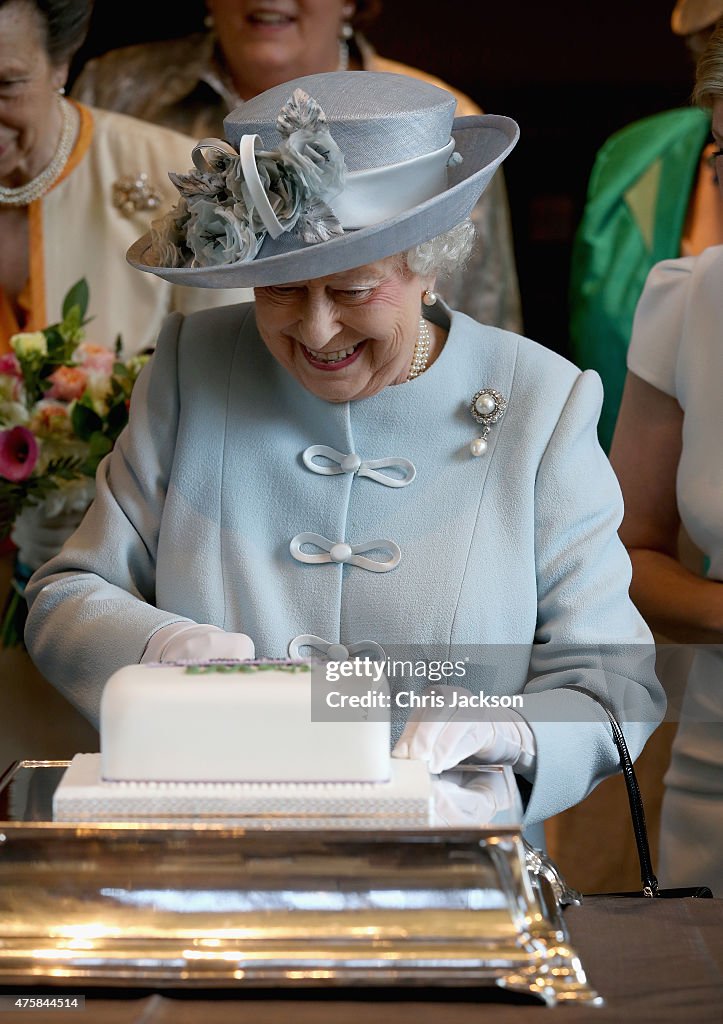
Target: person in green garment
[651, 196]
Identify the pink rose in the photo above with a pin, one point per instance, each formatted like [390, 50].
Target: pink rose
[10, 366]
[68, 383]
[95, 358]
[18, 453]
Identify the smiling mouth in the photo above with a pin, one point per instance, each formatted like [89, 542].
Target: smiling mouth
[333, 360]
[270, 18]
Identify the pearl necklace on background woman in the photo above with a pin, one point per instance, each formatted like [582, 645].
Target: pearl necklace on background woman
[25, 194]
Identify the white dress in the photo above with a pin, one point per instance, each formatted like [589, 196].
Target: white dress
[677, 346]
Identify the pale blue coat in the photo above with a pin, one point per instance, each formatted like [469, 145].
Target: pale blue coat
[511, 559]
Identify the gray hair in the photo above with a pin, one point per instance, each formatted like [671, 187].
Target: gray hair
[709, 71]
[445, 253]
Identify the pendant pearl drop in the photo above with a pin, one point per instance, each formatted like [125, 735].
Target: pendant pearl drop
[478, 446]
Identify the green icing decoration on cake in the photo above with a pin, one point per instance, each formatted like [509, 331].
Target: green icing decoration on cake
[245, 668]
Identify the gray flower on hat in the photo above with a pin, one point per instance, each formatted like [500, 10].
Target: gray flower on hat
[317, 223]
[283, 190]
[308, 148]
[314, 156]
[218, 219]
[220, 234]
[197, 183]
[300, 111]
[168, 235]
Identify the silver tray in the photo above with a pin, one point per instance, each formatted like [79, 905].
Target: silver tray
[220, 904]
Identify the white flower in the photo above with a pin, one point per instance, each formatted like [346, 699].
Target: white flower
[13, 414]
[73, 496]
[10, 388]
[98, 390]
[29, 344]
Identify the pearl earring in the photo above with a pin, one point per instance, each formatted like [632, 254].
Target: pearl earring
[429, 297]
[61, 91]
[347, 29]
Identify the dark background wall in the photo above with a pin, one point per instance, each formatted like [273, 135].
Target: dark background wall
[569, 71]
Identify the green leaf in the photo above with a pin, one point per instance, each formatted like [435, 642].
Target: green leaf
[78, 296]
[85, 420]
[14, 615]
[99, 446]
[116, 419]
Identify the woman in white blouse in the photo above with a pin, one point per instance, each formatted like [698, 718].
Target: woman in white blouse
[668, 454]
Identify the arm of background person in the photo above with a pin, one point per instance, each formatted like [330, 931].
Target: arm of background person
[645, 454]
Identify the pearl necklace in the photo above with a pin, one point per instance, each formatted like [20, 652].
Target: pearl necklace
[420, 358]
[32, 190]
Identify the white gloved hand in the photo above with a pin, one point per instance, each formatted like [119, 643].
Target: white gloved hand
[465, 796]
[443, 737]
[457, 805]
[189, 641]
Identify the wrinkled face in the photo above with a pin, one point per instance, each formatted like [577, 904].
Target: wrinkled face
[348, 335]
[28, 82]
[271, 41]
[717, 129]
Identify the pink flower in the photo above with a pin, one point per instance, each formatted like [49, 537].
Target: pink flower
[10, 366]
[68, 383]
[95, 358]
[18, 453]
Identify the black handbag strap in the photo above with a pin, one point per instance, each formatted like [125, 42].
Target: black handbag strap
[647, 875]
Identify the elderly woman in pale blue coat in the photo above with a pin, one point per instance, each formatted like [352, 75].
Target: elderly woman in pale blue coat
[347, 466]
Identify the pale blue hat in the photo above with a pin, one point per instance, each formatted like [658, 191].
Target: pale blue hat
[322, 174]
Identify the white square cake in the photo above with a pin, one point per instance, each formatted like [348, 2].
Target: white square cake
[237, 739]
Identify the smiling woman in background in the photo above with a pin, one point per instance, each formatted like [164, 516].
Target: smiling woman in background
[68, 203]
[347, 466]
[190, 84]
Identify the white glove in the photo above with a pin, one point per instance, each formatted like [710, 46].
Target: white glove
[465, 797]
[189, 641]
[456, 805]
[443, 737]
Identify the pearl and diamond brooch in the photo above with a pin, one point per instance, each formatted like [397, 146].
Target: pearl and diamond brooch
[487, 407]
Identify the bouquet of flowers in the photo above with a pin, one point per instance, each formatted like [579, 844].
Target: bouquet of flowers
[63, 403]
